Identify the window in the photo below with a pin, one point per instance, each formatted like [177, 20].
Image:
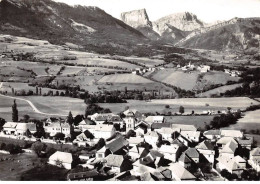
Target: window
[100, 155]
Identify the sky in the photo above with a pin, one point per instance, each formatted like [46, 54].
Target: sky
[206, 10]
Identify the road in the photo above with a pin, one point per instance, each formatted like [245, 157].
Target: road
[30, 103]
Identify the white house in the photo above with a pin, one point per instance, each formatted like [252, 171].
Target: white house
[152, 138]
[154, 119]
[179, 173]
[166, 133]
[137, 152]
[170, 152]
[61, 159]
[254, 159]
[21, 128]
[9, 128]
[232, 164]
[55, 128]
[231, 133]
[206, 148]
[134, 141]
[229, 149]
[193, 136]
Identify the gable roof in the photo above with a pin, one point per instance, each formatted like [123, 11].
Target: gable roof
[173, 148]
[180, 173]
[212, 132]
[184, 127]
[117, 144]
[87, 122]
[115, 118]
[231, 133]
[152, 119]
[102, 150]
[225, 140]
[255, 151]
[160, 125]
[189, 134]
[192, 153]
[59, 125]
[184, 158]
[104, 128]
[135, 140]
[114, 160]
[10, 125]
[246, 141]
[230, 147]
[205, 145]
[62, 156]
[230, 163]
[151, 134]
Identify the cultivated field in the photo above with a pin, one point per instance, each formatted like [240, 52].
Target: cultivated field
[219, 90]
[177, 78]
[196, 104]
[124, 78]
[192, 80]
[58, 105]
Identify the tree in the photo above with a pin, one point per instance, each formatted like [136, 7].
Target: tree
[70, 119]
[167, 106]
[40, 91]
[26, 118]
[38, 147]
[14, 112]
[59, 136]
[2, 122]
[181, 109]
[37, 90]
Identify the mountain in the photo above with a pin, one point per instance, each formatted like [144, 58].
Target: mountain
[169, 29]
[235, 34]
[59, 23]
[139, 20]
[183, 21]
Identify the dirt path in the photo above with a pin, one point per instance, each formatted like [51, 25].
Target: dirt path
[30, 103]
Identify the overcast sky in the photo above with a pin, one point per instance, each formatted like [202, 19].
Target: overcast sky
[206, 10]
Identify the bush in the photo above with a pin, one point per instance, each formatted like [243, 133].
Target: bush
[38, 147]
[59, 136]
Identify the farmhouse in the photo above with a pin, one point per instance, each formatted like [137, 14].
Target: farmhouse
[61, 159]
[179, 173]
[55, 128]
[9, 128]
[118, 163]
[206, 148]
[232, 164]
[231, 133]
[254, 159]
[137, 152]
[21, 128]
[154, 119]
[170, 152]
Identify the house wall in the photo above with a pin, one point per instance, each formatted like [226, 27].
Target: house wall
[170, 156]
[9, 131]
[134, 155]
[208, 154]
[100, 155]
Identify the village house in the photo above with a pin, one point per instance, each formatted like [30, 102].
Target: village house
[103, 131]
[170, 152]
[192, 136]
[116, 120]
[254, 159]
[91, 175]
[118, 146]
[232, 133]
[137, 152]
[9, 128]
[22, 128]
[152, 138]
[85, 122]
[229, 149]
[135, 112]
[134, 141]
[224, 140]
[212, 135]
[232, 164]
[166, 133]
[179, 173]
[206, 148]
[118, 163]
[185, 161]
[193, 154]
[245, 142]
[139, 168]
[102, 153]
[61, 159]
[130, 121]
[154, 119]
[55, 128]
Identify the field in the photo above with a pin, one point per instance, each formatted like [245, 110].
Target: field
[23, 109]
[192, 80]
[180, 79]
[196, 104]
[148, 62]
[124, 78]
[58, 105]
[15, 165]
[218, 90]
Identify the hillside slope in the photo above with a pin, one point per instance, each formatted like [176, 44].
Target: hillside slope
[60, 23]
[236, 34]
